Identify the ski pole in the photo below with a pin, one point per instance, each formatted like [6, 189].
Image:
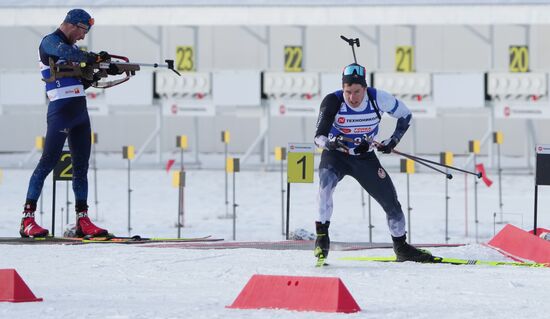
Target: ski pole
[416, 158]
[420, 161]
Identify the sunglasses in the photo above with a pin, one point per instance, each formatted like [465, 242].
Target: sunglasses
[354, 69]
[82, 26]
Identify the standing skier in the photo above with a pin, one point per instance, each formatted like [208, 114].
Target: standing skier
[67, 119]
[347, 125]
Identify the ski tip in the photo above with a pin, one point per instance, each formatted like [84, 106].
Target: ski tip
[436, 260]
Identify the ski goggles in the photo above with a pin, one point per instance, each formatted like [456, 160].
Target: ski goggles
[354, 69]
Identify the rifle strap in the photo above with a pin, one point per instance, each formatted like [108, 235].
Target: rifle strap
[373, 102]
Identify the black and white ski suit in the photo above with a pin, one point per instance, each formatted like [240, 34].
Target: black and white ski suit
[337, 118]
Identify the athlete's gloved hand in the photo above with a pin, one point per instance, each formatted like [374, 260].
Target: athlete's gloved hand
[331, 145]
[387, 145]
[113, 69]
[362, 148]
[96, 78]
[101, 56]
[336, 145]
[104, 56]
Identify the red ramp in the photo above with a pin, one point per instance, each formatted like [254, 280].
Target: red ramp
[13, 288]
[324, 294]
[520, 244]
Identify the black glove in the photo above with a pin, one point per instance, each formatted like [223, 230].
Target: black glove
[100, 57]
[336, 144]
[104, 56]
[362, 148]
[113, 70]
[387, 145]
[97, 77]
[87, 83]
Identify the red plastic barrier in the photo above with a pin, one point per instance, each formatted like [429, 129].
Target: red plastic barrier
[324, 294]
[518, 243]
[13, 288]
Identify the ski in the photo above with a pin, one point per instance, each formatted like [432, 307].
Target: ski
[36, 240]
[141, 240]
[102, 239]
[454, 261]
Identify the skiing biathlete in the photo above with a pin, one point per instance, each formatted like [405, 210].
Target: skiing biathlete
[67, 118]
[347, 125]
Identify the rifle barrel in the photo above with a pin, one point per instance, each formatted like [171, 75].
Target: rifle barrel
[154, 65]
[169, 66]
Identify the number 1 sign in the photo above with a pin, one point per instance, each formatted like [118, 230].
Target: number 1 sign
[299, 170]
[300, 163]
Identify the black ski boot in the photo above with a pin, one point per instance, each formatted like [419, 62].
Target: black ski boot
[322, 243]
[405, 252]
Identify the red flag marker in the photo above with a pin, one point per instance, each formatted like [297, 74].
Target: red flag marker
[480, 168]
[169, 165]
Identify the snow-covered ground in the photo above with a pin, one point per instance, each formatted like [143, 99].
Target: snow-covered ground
[121, 281]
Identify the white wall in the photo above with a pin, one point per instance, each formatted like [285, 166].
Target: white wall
[438, 49]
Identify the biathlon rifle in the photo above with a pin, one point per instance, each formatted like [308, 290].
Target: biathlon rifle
[352, 42]
[96, 72]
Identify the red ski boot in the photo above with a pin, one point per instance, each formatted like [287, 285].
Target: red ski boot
[29, 227]
[85, 227]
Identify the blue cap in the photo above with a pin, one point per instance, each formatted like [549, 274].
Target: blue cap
[80, 18]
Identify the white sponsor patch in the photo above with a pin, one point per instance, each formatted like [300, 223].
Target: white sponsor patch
[66, 92]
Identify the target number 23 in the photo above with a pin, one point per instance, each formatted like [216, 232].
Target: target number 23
[185, 58]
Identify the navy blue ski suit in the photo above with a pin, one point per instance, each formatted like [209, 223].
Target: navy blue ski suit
[67, 117]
